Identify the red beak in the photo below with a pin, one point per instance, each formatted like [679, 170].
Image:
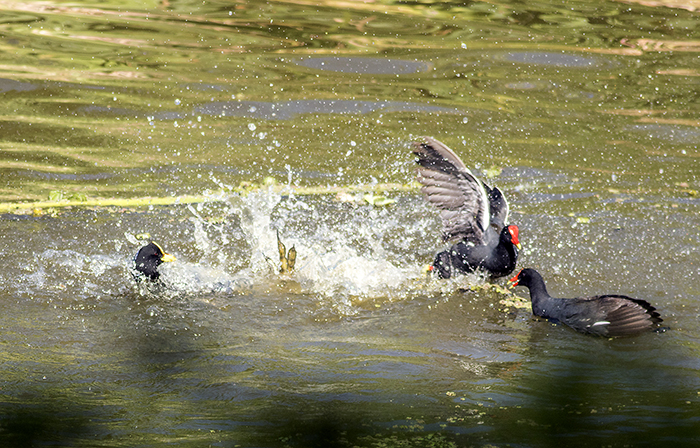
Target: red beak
[514, 281]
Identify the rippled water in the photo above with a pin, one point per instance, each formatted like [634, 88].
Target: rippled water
[239, 116]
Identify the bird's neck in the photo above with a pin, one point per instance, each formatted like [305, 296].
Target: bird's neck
[507, 251]
[505, 242]
[538, 293]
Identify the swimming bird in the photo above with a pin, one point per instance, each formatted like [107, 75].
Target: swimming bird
[473, 214]
[605, 315]
[149, 258]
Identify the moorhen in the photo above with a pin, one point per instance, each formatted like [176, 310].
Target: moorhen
[472, 213]
[149, 258]
[608, 315]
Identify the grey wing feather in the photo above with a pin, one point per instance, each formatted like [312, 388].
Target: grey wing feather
[452, 188]
[621, 315]
[628, 315]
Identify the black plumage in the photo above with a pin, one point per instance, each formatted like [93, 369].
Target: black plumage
[149, 258]
[607, 315]
[474, 215]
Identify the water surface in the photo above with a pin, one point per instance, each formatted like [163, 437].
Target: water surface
[584, 114]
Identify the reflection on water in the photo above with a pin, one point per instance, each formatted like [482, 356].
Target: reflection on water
[554, 59]
[367, 66]
[287, 110]
[290, 109]
[582, 115]
[7, 85]
[669, 133]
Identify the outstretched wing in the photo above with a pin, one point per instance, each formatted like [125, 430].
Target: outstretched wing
[451, 187]
[499, 208]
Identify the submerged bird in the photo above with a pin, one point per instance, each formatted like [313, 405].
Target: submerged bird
[287, 259]
[149, 258]
[473, 214]
[606, 315]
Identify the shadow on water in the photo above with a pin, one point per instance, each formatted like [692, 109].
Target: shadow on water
[337, 424]
[310, 425]
[586, 391]
[47, 416]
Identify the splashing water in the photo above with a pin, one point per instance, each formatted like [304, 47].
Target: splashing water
[340, 262]
[352, 256]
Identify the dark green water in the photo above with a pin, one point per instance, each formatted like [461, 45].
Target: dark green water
[584, 113]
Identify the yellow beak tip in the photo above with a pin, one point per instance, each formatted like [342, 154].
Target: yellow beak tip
[167, 258]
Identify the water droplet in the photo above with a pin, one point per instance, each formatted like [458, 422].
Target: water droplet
[251, 126]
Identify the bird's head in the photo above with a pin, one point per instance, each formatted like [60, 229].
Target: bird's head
[524, 278]
[149, 258]
[510, 234]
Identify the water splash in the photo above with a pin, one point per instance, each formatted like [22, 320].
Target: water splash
[349, 255]
[352, 256]
[339, 262]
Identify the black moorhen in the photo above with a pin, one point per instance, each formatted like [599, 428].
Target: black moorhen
[472, 213]
[149, 258]
[608, 315]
